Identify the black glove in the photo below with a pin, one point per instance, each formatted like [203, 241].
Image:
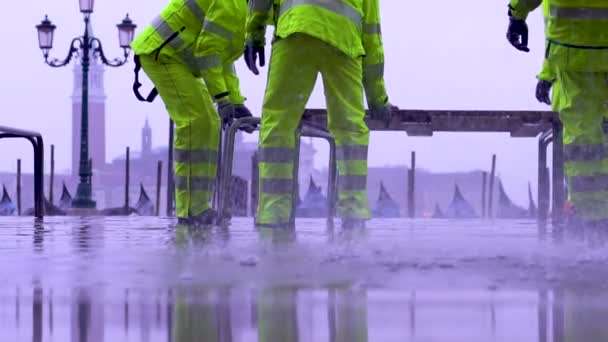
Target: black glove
[542, 91]
[226, 110]
[383, 113]
[517, 34]
[252, 51]
[241, 111]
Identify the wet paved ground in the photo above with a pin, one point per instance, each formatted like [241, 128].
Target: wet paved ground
[142, 279]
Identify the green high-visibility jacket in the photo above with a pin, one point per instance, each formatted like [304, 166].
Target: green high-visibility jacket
[205, 34]
[577, 32]
[546, 73]
[352, 26]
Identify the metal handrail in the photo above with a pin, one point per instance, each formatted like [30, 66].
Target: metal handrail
[37, 142]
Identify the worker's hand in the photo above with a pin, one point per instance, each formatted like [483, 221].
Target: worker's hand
[226, 110]
[543, 88]
[517, 34]
[253, 50]
[383, 113]
[241, 111]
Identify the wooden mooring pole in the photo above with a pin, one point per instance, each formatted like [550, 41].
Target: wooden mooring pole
[127, 177]
[52, 180]
[170, 187]
[484, 180]
[159, 174]
[411, 187]
[19, 187]
[491, 192]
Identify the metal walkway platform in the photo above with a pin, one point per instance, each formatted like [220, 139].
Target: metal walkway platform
[423, 123]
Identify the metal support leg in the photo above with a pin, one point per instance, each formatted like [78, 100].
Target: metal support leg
[225, 173]
[38, 177]
[218, 173]
[332, 184]
[558, 173]
[543, 179]
[295, 177]
[332, 177]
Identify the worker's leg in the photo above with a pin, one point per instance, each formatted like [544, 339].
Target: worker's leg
[342, 79]
[291, 78]
[196, 132]
[581, 102]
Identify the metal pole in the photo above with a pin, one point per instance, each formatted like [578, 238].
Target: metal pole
[19, 187]
[52, 180]
[491, 194]
[159, 174]
[83, 198]
[558, 172]
[170, 190]
[543, 179]
[411, 188]
[295, 193]
[484, 179]
[255, 174]
[332, 181]
[127, 176]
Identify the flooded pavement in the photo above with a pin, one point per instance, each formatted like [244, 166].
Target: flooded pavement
[143, 279]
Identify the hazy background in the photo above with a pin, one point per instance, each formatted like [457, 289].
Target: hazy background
[439, 55]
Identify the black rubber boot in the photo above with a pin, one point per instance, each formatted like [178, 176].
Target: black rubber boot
[206, 218]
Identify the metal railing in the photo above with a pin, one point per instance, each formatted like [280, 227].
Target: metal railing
[37, 142]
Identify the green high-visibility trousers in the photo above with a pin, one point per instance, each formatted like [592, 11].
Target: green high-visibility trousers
[196, 131]
[582, 101]
[295, 63]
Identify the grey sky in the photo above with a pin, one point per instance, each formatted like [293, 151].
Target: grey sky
[439, 55]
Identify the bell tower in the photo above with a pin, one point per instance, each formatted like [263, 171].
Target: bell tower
[146, 139]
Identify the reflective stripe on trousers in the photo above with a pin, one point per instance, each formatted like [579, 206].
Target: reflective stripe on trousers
[260, 5]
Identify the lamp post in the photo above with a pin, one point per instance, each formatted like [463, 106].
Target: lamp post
[91, 46]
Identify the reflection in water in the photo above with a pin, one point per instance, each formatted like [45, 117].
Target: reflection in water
[289, 313]
[37, 303]
[95, 280]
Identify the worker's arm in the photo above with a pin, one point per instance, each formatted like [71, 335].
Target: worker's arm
[232, 82]
[210, 51]
[260, 12]
[373, 62]
[546, 73]
[520, 9]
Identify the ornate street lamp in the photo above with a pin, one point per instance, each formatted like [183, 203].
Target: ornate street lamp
[91, 47]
